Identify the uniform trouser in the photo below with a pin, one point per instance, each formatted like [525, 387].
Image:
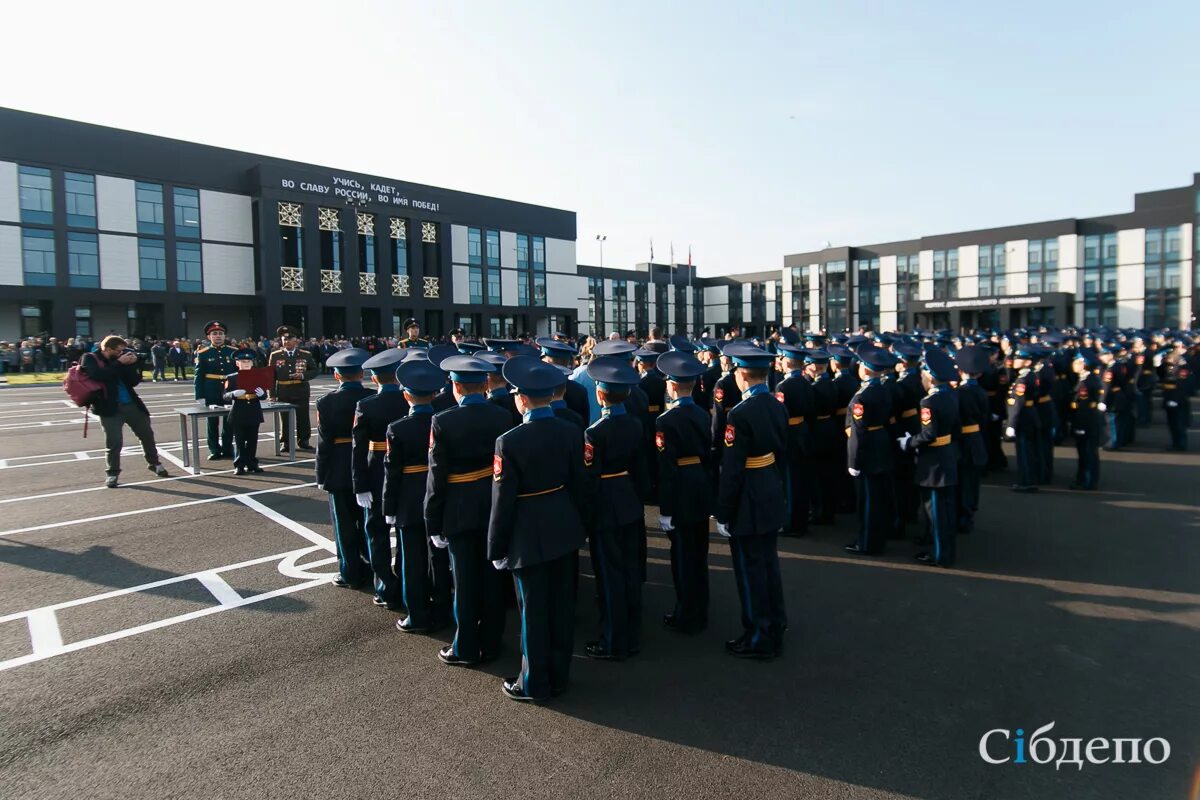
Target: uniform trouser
[1125, 426]
[220, 436]
[908, 498]
[799, 481]
[245, 445]
[379, 549]
[619, 580]
[689, 571]
[113, 425]
[760, 588]
[1045, 455]
[349, 535]
[1027, 445]
[303, 425]
[824, 501]
[876, 510]
[442, 583]
[479, 597]
[968, 495]
[546, 598]
[939, 514]
[996, 457]
[1087, 452]
[414, 577]
[1177, 425]
[1143, 405]
[160, 372]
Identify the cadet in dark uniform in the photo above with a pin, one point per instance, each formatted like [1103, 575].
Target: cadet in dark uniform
[1118, 397]
[1087, 420]
[1143, 380]
[294, 368]
[498, 393]
[244, 417]
[651, 382]
[709, 354]
[826, 434]
[796, 394]
[725, 396]
[423, 576]
[1177, 389]
[908, 392]
[335, 419]
[558, 400]
[1047, 416]
[458, 501]
[371, 421]
[436, 355]
[973, 414]
[614, 461]
[681, 442]
[995, 382]
[870, 457]
[536, 528]
[936, 446]
[563, 355]
[1023, 425]
[412, 336]
[846, 382]
[214, 362]
[751, 503]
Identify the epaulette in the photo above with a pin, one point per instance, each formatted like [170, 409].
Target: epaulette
[202, 348]
[302, 350]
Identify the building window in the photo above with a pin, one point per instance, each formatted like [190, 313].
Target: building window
[1162, 276]
[1100, 280]
[539, 271]
[83, 322]
[621, 306]
[399, 234]
[83, 260]
[37, 248]
[31, 321]
[799, 297]
[493, 248]
[596, 305]
[329, 223]
[187, 213]
[366, 243]
[493, 267]
[149, 208]
[474, 246]
[908, 284]
[641, 309]
[475, 278]
[833, 275]
[152, 264]
[1043, 265]
[291, 236]
[758, 305]
[37, 195]
[81, 199]
[945, 274]
[189, 269]
[736, 317]
[523, 270]
[866, 281]
[992, 276]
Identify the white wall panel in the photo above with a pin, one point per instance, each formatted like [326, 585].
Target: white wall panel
[560, 256]
[226, 217]
[814, 277]
[887, 269]
[462, 283]
[770, 287]
[567, 291]
[716, 315]
[114, 318]
[116, 205]
[888, 320]
[10, 203]
[1131, 246]
[968, 271]
[119, 263]
[1068, 263]
[508, 250]
[12, 273]
[713, 296]
[1018, 283]
[508, 286]
[228, 268]
[10, 321]
[458, 244]
[925, 275]
[746, 316]
[887, 300]
[787, 307]
[1131, 313]
[814, 309]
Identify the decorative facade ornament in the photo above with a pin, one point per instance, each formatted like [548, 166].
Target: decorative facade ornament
[366, 224]
[431, 287]
[331, 281]
[328, 219]
[289, 214]
[399, 229]
[291, 279]
[400, 286]
[366, 283]
[429, 232]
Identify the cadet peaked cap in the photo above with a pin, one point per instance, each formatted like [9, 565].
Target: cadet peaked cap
[531, 377]
[1089, 357]
[875, 358]
[972, 359]
[815, 355]
[940, 365]
[349, 360]
[906, 349]
[657, 346]
[467, 369]
[793, 351]
[384, 361]
[840, 351]
[745, 354]
[619, 348]
[609, 371]
[681, 343]
[554, 348]
[645, 354]
[680, 366]
[440, 352]
[467, 348]
[245, 354]
[420, 376]
[500, 345]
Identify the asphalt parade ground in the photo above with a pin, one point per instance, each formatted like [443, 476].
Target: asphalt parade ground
[179, 637]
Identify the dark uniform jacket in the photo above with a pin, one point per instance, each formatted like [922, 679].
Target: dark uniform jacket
[827, 436]
[444, 400]
[371, 421]
[702, 392]
[796, 394]
[212, 365]
[846, 383]
[407, 466]
[1118, 395]
[462, 443]
[869, 447]
[751, 498]
[936, 444]
[681, 441]
[725, 397]
[562, 411]
[504, 399]
[537, 493]
[244, 410]
[973, 414]
[578, 400]
[98, 368]
[1177, 383]
[1022, 397]
[655, 387]
[909, 391]
[335, 420]
[286, 385]
[1046, 379]
[1085, 415]
[615, 469]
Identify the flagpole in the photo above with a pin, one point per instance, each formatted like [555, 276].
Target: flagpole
[650, 299]
[671, 294]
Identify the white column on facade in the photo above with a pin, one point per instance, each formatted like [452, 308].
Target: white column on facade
[1016, 265]
[116, 206]
[925, 274]
[12, 271]
[1186, 234]
[968, 271]
[888, 317]
[1131, 277]
[1068, 265]
[814, 297]
[10, 205]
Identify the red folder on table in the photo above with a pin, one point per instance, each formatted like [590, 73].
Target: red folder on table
[260, 377]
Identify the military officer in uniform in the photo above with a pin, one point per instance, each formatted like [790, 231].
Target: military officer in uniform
[681, 442]
[845, 381]
[908, 391]
[1087, 420]
[498, 389]
[536, 528]
[436, 355]
[214, 362]
[751, 502]
[558, 401]
[245, 416]
[412, 336]
[371, 420]
[1023, 424]
[870, 459]
[294, 368]
[827, 436]
[1177, 389]
[335, 420]
[725, 395]
[651, 382]
[796, 394]
[973, 411]
[1047, 415]
[458, 499]
[563, 355]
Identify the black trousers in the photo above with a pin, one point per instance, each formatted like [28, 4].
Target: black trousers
[823, 501]
[968, 495]
[220, 437]
[1027, 456]
[689, 570]
[996, 457]
[379, 549]
[908, 498]
[180, 371]
[441, 583]
[760, 588]
[619, 580]
[1177, 424]
[799, 482]
[300, 399]
[1144, 409]
[245, 445]
[414, 579]
[1087, 454]
[939, 516]
[1046, 454]
[479, 597]
[876, 510]
[350, 536]
[114, 438]
[546, 598]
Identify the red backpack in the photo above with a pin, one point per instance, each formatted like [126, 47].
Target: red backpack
[82, 390]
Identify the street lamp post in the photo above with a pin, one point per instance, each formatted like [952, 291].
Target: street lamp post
[601, 238]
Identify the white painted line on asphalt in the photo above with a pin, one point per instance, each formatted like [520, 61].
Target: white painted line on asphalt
[44, 634]
[154, 509]
[290, 524]
[174, 459]
[82, 456]
[226, 595]
[87, 455]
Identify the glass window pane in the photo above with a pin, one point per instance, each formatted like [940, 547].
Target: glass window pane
[189, 272]
[149, 198]
[36, 195]
[539, 253]
[474, 246]
[81, 199]
[152, 264]
[1051, 253]
[187, 213]
[493, 248]
[38, 257]
[83, 260]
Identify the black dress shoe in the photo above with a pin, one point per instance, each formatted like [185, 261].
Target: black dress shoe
[405, 625]
[513, 691]
[240, 471]
[854, 548]
[446, 656]
[342, 583]
[594, 650]
[379, 601]
[744, 649]
[304, 446]
[219, 456]
[732, 643]
[255, 469]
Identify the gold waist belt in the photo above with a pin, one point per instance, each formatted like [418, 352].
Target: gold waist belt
[940, 441]
[970, 429]
[758, 462]
[379, 446]
[542, 492]
[614, 474]
[687, 461]
[795, 420]
[470, 477]
[415, 469]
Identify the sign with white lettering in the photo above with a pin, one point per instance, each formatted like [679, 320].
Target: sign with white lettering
[353, 189]
[986, 302]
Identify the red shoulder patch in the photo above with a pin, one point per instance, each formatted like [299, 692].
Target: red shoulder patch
[729, 432]
[1083, 392]
[719, 394]
[926, 415]
[660, 441]
[779, 397]
[1019, 388]
[589, 453]
[497, 466]
[1108, 376]
[857, 410]
[1183, 373]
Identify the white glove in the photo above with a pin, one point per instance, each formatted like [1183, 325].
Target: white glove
[238, 393]
[259, 392]
[440, 542]
[1081, 433]
[903, 440]
[1102, 406]
[363, 499]
[1172, 404]
[665, 524]
[500, 563]
[1010, 432]
[390, 520]
[854, 472]
[723, 529]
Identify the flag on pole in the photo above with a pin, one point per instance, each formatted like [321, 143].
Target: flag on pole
[651, 249]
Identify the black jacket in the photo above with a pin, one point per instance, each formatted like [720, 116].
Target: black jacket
[98, 368]
[615, 470]
[371, 420]
[462, 443]
[936, 444]
[335, 419]
[751, 498]
[869, 447]
[684, 489]
[407, 467]
[975, 418]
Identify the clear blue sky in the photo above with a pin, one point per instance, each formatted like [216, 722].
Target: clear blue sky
[745, 130]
